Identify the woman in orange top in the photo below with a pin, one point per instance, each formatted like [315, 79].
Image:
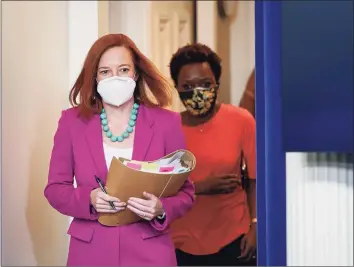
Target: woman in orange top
[221, 228]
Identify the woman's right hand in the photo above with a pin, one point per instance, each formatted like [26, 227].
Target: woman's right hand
[222, 184]
[99, 200]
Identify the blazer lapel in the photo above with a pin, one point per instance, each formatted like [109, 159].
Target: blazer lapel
[95, 143]
[143, 134]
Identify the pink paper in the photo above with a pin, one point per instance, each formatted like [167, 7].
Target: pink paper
[166, 169]
[134, 166]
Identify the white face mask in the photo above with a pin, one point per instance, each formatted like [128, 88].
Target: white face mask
[116, 90]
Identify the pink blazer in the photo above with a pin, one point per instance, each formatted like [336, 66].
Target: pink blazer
[78, 151]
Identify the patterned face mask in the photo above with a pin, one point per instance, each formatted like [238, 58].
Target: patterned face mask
[199, 101]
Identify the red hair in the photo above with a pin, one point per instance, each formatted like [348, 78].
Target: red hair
[85, 87]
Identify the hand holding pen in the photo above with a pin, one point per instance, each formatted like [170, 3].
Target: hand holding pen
[104, 203]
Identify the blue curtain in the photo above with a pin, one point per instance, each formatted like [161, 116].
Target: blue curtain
[271, 180]
[304, 100]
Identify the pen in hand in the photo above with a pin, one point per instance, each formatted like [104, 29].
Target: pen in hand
[98, 180]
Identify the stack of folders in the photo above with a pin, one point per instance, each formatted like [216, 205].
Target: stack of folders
[162, 178]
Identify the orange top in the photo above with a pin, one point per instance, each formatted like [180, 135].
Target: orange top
[217, 220]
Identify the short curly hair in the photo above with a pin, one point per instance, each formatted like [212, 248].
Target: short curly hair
[194, 53]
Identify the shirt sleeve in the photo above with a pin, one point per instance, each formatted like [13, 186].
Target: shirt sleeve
[249, 144]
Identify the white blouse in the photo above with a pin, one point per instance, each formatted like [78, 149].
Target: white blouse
[110, 152]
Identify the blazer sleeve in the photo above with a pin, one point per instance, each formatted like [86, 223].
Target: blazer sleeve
[60, 191]
[176, 206]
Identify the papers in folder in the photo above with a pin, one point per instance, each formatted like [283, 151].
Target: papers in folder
[165, 165]
[162, 178]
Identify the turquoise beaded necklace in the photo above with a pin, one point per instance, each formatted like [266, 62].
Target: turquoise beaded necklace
[127, 132]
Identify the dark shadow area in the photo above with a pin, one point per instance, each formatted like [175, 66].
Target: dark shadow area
[337, 167]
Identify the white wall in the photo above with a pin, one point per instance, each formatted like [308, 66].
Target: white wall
[34, 90]
[0, 134]
[319, 209]
[83, 31]
[44, 46]
[136, 26]
[242, 48]
[207, 23]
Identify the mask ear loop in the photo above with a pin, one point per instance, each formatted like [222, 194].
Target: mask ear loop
[135, 78]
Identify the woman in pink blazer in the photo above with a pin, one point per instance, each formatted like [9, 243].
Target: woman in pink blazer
[113, 115]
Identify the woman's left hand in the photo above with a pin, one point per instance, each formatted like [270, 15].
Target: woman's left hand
[249, 244]
[148, 208]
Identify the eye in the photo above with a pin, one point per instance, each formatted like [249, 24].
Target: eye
[124, 70]
[104, 72]
[187, 87]
[207, 84]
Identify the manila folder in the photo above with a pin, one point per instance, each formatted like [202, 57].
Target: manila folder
[124, 182]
